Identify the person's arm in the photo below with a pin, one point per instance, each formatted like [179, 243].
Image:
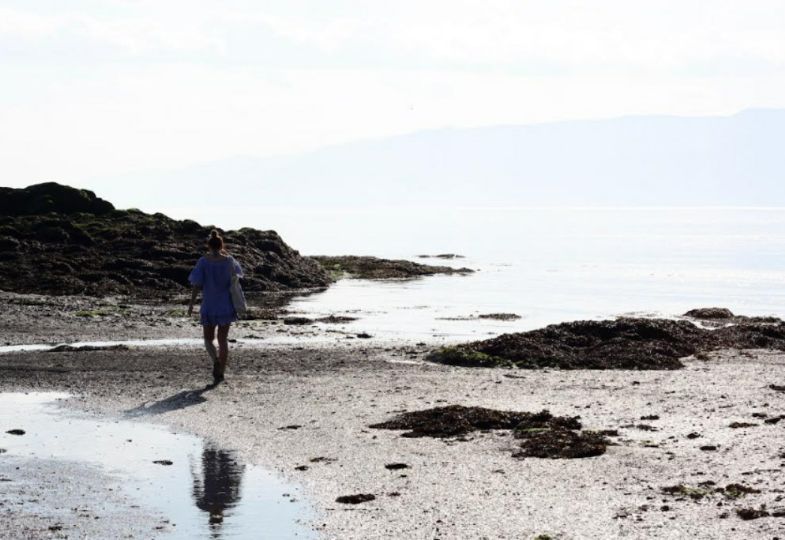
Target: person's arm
[194, 291]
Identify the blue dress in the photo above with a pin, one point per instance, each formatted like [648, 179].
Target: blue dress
[215, 278]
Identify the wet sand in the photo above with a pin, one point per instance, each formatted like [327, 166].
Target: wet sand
[470, 488]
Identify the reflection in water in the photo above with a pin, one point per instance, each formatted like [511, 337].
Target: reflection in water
[219, 489]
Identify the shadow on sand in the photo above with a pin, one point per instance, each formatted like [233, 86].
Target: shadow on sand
[180, 400]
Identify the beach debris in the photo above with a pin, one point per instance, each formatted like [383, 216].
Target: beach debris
[777, 387]
[774, 419]
[355, 499]
[260, 314]
[165, 462]
[291, 426]
[3, 450]
[297, 321]
[559, 442]
[694, 435]
[737, 425]
[709, 447]
[642, 427]
[624, 343]
[322, 459]
[650, 417]
[87, 348]
[16, 432]
[301, 468]
[396, 466]
[708, 488]
[364, 335]
[752, 513]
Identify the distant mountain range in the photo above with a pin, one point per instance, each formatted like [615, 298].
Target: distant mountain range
[646, 160]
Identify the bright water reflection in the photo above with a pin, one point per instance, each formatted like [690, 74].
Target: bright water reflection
[204, 493]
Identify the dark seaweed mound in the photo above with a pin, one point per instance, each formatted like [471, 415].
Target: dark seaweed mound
[542, 434]
[625, 343]
[55, 239]
[456, 420]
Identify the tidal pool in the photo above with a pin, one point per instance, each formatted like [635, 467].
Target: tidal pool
[200, 489]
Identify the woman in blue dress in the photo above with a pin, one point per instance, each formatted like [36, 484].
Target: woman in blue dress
[213, 276]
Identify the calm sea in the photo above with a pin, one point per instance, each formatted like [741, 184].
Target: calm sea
[545, 264]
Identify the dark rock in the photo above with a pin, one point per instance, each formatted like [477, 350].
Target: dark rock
[650, 417]
[50, 197]
[336, 319]
[375, 268]
[777, 387]
[301, 468]
[752, 513]
[16, 432]
[297, 321]
[442, 256]
[396, 466]
[709, 447]
[737, 425]
[322, 459]
[710, 313]
[499, 316]
[48, 230]
[364, 335]
[693, 435]
[625, 343]
[774, 419]
[355, 499]
[166, 462]
[292, 426]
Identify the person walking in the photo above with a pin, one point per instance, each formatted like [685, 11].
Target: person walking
[213, 276]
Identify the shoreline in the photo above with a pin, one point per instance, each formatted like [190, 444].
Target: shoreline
[452, 488]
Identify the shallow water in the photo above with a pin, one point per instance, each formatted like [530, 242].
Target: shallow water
[549, 265]
[171, 342]
[205, 493]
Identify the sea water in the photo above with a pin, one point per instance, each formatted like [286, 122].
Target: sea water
[547, 265]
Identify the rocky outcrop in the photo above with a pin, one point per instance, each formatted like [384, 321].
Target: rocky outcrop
[55, 239]
[352, 266]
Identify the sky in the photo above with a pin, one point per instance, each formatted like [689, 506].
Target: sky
[92, 89]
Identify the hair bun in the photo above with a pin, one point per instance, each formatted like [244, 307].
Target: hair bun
[213, 234]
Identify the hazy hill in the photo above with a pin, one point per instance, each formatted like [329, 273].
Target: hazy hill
[654, 160]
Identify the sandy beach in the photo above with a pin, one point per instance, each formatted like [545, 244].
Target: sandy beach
[466, 487]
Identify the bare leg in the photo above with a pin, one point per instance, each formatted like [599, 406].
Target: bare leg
[209, 336]
[223, 347]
